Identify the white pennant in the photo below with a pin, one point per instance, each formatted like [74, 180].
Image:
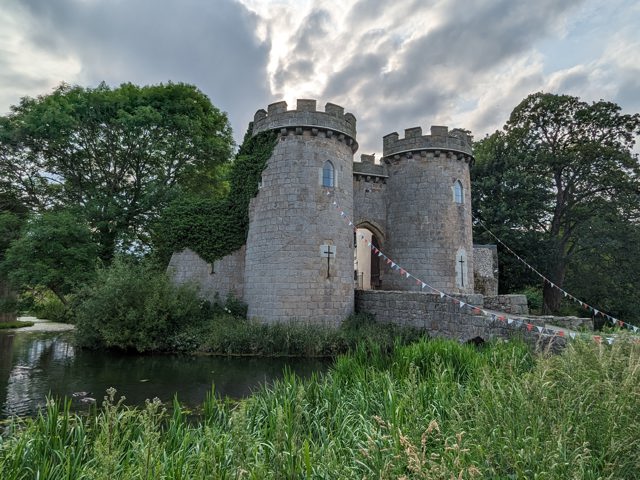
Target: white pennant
[572, 335]
[539, 328]
[441, 294]
[509, 321]
[424, 284]
[461, 304]
[635, 329]
[334, 202]
[342, 214]
[609, 340]
[350, 223]
[408, 274]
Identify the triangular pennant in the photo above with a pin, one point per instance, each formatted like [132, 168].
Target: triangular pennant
[380, 254]
[402, 271]
[595, 312]
[350, 223]
[341, 213]
[597, 338]
[609, 340]
[613, 320]
[418, 282]
[509, 321]
[389, 261]
[565, 293]
[461, 304]
[407, 274]
[369, 244]
[572, 335]
[393, 265]
[423, 285]
[334, 202]
[529, 326]
[328, 193]
[635, 329]
[501, 318]
[477, 311]
[621, 323]
[539, 328]
[560, 333]
[441, 294]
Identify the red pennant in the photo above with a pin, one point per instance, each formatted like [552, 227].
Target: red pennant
[597, 338]
[477, 311]
[529, 326]
[560, 333]
[502, 319]
[621, 323]
[388, 261]
[402, 272]
[418, 282]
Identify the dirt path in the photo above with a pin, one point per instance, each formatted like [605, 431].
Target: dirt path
[40, 325]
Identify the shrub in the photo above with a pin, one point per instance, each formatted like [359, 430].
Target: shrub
[134, 306]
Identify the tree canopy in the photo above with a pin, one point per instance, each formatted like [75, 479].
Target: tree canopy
[560, 171]
[114, 154]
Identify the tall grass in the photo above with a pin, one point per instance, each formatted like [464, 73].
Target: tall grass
[430, 410]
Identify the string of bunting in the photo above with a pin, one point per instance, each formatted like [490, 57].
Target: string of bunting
[596, 312]
[501, 317]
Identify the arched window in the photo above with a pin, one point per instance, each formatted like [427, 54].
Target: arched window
[328, 174]
[458, 192]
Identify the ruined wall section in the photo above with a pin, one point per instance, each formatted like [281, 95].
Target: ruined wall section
[292, 217]
[215, 281]
[429, 228]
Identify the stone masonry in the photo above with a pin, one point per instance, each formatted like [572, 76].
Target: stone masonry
[416, 201]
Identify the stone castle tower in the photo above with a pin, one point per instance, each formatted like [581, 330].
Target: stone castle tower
[298, 262]
[299, 256]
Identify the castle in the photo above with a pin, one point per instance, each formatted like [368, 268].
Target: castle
[298, 262]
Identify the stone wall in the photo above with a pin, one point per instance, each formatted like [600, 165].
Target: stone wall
[222, 278]
[441, 317]
[515, 304]
[485, 269]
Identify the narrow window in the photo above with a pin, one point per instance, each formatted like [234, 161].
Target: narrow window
[458, 192]
[462, 278]
[328, 174]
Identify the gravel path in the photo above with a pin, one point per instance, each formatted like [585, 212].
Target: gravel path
[40, 325]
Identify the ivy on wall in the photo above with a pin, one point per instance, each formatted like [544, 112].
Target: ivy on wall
[216, 227]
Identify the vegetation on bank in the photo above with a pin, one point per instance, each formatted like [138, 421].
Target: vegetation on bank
[434, 409]
[15, 324]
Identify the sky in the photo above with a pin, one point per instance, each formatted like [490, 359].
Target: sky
[393, 64]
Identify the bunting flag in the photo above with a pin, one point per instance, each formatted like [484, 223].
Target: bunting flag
[586, 306]
[518, 323]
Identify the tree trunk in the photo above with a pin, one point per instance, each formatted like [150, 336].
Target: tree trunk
[552, 296]
[8, 296]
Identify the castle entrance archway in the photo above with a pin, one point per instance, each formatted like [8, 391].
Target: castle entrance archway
[367, 261]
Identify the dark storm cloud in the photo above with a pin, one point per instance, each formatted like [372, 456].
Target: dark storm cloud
[211, 44]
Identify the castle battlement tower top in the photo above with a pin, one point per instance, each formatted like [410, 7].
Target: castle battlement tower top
[333, 122]
[455, 142]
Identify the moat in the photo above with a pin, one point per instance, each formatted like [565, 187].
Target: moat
[33, 365]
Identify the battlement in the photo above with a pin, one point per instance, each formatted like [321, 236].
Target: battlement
[333, 121]
[456, 142]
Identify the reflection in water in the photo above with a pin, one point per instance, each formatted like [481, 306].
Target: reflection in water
[33, 365]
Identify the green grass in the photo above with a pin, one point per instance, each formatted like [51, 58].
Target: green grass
[430, 410]
[15, 324]
[225, 334]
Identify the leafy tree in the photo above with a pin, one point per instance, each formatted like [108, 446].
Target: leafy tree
[56, 251]
[116, 154]
[559, 163]
[215, 227]
[135, 306]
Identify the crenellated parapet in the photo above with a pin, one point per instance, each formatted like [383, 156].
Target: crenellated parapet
[332, 123]
[455, 144]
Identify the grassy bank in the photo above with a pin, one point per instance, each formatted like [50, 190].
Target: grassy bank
[433, 409]
[15, 324]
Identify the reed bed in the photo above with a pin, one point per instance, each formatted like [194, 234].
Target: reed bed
[430, 410]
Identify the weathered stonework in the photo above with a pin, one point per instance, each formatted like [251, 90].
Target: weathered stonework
[215, 280]
[292, 217]
[441, 317]
[431, 230]
[516, 304]
[485, 269]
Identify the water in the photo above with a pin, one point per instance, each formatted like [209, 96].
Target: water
[32, 365]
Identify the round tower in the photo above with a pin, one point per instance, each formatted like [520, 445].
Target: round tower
[299, 257]
[429, 208]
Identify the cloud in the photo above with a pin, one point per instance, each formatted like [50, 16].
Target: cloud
[210, 44]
